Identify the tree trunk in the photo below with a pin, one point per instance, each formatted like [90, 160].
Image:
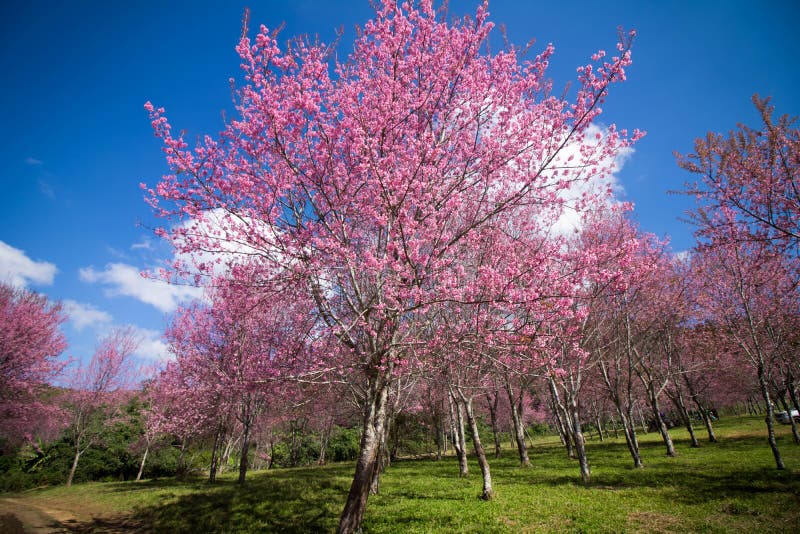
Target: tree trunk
[271, 453]
[580, 443]
[563, 417]
[677, 400]
[519, 429]
[244, 451]
[459, 440]
[371, 438]
[384, 458]
[215, 453]
[599, 428]
[487, 493]
[793, 396]
[712, 438]
[181, 468]
[645, 430]
[225, 460]
[440, 437]
[629, 429]
[492, 405]
[660, 424]
[141, 465]
[74, 466]
[769, 419]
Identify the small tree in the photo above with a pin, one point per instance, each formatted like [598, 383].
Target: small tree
[97, 390]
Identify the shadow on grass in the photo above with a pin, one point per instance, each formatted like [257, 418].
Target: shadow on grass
[291, 500]
[728, 477]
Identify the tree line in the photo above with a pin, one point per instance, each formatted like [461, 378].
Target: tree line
[424, 227]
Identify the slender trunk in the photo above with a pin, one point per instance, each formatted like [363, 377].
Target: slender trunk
[323, 446]
[616, 429]
[519, 430]
[677, 399]
[769, 419]
[215, 453]
[271, 453]
[141, 465]
[244, 451]
[793, 396]
[712, 438]
[564, 423]
[492, 405]
[180, 470]
[599, 428]
[74, 466]
[487, 493]
[225, 460]
[580, 443]
[631, 440]
[645, 430]
[459, 440]
[750, 407]
[371, 438]
[440, 437]
[660, 424]
[383, 457]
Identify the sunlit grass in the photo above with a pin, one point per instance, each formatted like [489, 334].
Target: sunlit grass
[731, 486]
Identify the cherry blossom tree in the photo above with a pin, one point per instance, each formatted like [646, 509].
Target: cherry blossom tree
[97, 390]
[364, 181]
[751, 293]
[30, 344]
[752, 174]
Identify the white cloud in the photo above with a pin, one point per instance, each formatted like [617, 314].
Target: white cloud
[82, 315]
[596, 186]
[230, 240]
[144, 244]
[19, 270]
[127, 280]
[33, 161]
[152, 345]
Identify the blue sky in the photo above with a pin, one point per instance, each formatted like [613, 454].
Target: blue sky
[75, 141]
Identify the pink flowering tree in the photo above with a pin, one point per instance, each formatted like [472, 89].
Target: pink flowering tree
[750, 293]
[365, 180]
[30, 344]
[752, 174]
[747, 229]
[97, 390]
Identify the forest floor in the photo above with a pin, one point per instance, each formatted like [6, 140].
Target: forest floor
[730, 486]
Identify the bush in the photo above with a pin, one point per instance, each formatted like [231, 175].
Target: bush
[344, 444]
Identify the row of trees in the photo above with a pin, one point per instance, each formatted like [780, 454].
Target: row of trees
[424, 228]
[426, 213]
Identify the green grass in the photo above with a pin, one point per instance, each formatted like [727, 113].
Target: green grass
[731, 486]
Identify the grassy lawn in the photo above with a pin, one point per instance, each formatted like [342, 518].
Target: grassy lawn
[731, 486]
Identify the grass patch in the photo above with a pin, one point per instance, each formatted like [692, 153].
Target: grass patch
[731, 486]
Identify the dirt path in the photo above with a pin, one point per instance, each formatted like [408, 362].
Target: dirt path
[18, 516]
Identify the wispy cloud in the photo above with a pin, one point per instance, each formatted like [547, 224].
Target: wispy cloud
[127, 280]
[83, 315]
[144, 244]
[33, 161]
[46, 189]
[117, 253]
[19, 270]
